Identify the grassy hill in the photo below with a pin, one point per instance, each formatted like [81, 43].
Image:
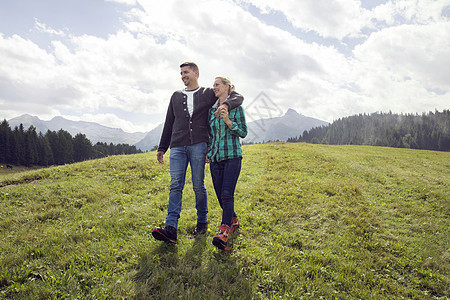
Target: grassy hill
[330, 222]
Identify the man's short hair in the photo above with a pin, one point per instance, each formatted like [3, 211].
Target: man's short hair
[192, 65]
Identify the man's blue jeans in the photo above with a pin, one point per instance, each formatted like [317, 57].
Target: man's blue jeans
[179, 158]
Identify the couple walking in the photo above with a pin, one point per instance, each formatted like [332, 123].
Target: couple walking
[203, 125]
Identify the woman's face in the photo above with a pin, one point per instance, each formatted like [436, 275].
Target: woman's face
[220, 89]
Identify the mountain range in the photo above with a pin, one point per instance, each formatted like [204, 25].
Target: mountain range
[93, 131]
[291, 124]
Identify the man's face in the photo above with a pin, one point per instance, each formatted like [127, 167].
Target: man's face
[188, 75]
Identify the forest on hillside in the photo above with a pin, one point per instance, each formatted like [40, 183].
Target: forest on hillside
[429, 131]
[28, 148]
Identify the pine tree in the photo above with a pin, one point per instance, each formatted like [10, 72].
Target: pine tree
[5, 133]
[31, 146]
[45, 151]
[66, 144]
[82, 147]
[19, 147]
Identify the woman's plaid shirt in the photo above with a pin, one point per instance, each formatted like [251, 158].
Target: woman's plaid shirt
[223, 141]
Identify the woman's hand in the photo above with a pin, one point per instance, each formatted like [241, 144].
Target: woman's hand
[207, 159]
[223, 113]
[220, 108]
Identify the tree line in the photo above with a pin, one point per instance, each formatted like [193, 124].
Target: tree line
[29, 148]
[429, 131]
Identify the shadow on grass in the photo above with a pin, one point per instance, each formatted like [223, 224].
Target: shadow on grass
[170, 272]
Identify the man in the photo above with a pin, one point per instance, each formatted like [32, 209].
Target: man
[186, 133]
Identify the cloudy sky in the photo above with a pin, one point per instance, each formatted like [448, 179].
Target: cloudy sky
[116, 62]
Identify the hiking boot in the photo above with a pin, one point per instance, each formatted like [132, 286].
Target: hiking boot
[221, 239]
[234, 224]
[201, 228]
[166, 234]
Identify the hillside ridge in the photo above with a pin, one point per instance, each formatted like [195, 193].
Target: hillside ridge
[317, 221]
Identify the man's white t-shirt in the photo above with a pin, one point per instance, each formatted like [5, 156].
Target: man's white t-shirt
[190, 99]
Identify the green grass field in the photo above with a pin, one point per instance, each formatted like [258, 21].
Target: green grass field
[317, 222]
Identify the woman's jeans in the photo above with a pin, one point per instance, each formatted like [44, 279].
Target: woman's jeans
[225, 175]
[179, 158]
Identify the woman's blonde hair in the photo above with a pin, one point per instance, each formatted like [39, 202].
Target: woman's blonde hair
[227, 81]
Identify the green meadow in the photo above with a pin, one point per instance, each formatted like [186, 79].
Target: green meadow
[317, 222]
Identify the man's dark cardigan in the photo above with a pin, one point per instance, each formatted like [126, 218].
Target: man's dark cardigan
[181, 129]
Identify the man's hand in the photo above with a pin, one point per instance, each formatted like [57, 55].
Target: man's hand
[207, 159]
[160, 156]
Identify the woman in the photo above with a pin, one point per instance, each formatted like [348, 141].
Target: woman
[225, 155]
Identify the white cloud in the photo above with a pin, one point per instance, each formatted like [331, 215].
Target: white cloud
[24, 61]
[121, 72]
[30, 77]
[110, 120]
[41, 27]
[417, 12]
[405, 63]
[128, 2]
[329, 18]
[259, 54]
